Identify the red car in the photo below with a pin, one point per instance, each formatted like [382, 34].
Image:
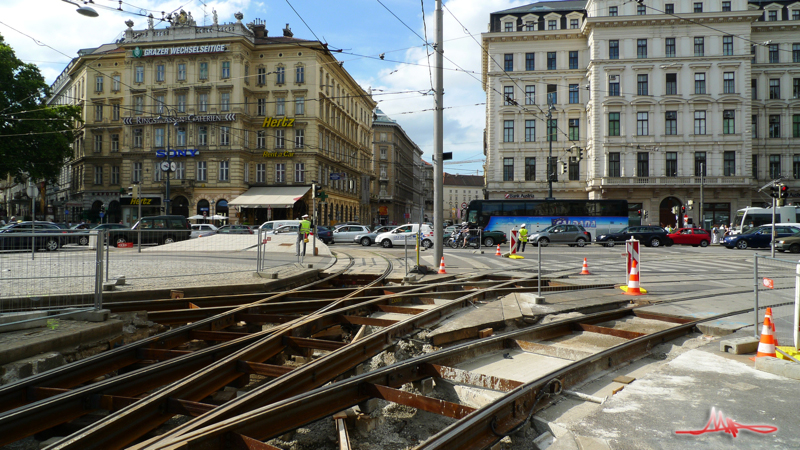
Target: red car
[691, 236]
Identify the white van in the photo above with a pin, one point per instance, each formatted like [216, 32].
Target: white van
[273, 225]
[398, 236]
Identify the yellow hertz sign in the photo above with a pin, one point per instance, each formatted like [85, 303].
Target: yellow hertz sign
[278, 154]
[271, 122]
[145, 201]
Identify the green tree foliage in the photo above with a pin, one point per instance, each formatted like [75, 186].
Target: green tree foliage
[34, 138]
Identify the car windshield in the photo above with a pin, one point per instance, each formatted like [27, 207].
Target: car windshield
[548, 229]
[624, 230]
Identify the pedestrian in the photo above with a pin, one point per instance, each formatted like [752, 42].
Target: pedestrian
[523, 237]
[302, 235]
[715, 235]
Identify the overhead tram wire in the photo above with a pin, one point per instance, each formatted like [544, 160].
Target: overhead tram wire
[427, 45]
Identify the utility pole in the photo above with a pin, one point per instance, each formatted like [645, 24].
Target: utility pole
[702, 173]
[438, 141]
[550, 171]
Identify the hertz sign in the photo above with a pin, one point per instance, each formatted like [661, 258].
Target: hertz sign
[271, 122]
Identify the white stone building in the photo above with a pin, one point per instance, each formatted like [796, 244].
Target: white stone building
[651, 96]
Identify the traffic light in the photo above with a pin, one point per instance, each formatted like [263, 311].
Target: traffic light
[773, 191]
[639, 212]
[316, 190]
[580, 153]
[134, 191]
[674, 210]
[683, 210]
[563, 167]
[645, 214]
[783, 190]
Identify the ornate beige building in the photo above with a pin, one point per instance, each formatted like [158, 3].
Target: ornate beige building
[247, 120]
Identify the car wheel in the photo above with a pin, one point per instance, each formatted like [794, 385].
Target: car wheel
[742, 244]
[51, 245]
[795, 248]
[84, 240]
[544, 241]
[366, 242]
[386, 243]
[489, 242]
[580, 242]
[704, 243]
[610, 243]
[121, 240]
[427, 243]
[168, 240]
[655, 242]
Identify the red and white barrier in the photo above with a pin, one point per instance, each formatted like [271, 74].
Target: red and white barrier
[632, 269]
[513, 241]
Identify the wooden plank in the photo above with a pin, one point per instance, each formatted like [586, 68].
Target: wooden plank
[219, 336]
[400, 309]
[267, 370]
[341, 432]
[359, 320]
[624, 334]
[317, 344]
[158, 354]
[432, 405]
[473, 378]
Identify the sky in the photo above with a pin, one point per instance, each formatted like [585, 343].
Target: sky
[49, 33]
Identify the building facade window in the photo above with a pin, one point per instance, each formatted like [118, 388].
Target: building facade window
[508, 27]
[641, 9]
[729, 164]
[181, 98]
[775, 89]
[671, 123]
[98, 143]
[551, 60]
[530, 94]
[261, 139]
[642, 164]
[224, 135]
[727, 45]
[508, 62]
[261, 173]
[642, 124]
[772, 16]
[573, 24]
[160, 73]
[98, 113]
[795, 52]
[280, 139]
[180, 170]
[530, 61]
[299, 106]
[574, 129]
[552, 25]
[699, 46]
[574, 169]
[138, 137]
[203, 73]
[774, 54]
[754, 166]
[508, 169]
[754, 125]
[182, 72]
[180, 136]
[299, 138]
[613, 86]
[202, 171]
[728, 83]
[300, 74]
[261, 75]
[574, 96]
[774, 166]
[202, 135]
[700, 166]
[114, 174]
[508, 95]
[280, 75]
[726, 6]
[612, 11]
[796, 166]
[552, 94]
[641, 48]
[796, 88]
[261, 107]
[614, 164]
[115, 83]
[700, 83]
[775, 126]
[138, 105]
[641, 84]
[530, 169]
[671, 84]
[698, 7]
[157, 172]
[202, 102]
[613, 124]
[225, 101]
[98, 83]
[158, 137]
[552, 126]
[138, 74]
[699, 122]
[613, 49]
[280, 106]
[299, 172]
[136, 173]
[573, 60]
[114, 142]
[530, 130]
[672, 164]
[728, 121]
[508, 131]
[669, 47]
[530, 26]
[224, 170]
[796, 125]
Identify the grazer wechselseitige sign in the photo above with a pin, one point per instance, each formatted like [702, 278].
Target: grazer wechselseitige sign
[182, 50]
[173, 119]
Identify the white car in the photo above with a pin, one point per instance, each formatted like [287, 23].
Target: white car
[398, 236]
[286, 229]
[202, 228]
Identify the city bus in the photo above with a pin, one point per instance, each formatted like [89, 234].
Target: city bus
[755, 217]
[596, 216]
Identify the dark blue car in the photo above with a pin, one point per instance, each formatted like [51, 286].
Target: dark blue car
[758, 237]
[325, 234]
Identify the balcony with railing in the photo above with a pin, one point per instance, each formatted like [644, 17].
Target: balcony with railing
[670, 181]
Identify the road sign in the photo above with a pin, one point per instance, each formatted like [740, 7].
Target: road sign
[102, 214]
[205, 213]
[463, 205]
[66, 211]
[335, 176]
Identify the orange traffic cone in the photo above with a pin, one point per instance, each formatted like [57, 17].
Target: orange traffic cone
[633, 280]
[766, 346]
[441, 266]
[498, 251]
[585, 270]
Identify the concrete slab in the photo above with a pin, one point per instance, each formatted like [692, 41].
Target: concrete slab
[708, 307]
[19, 345]
[788, 369]
[514, 365]
[587, 342]
[498, 314]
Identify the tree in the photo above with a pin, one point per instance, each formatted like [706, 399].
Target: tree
[34, 137]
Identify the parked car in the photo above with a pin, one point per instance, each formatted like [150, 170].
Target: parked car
[369, 238]
[339, 225]
[489, 238]
[154, 230]
[398, 236]
[275, 224]
[562, 234]
[650, 236]
[691, 236]
[759, 237]
[234, 229]
[12, 236]
[347, 233]
[80, 236]
[790, 243]
[325, 234]
[203, 229]
[286, 229]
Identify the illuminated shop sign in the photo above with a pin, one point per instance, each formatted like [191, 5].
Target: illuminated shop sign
[173, 119]
[175, 153]
[184, 50]
[271, 122]
[278, 154]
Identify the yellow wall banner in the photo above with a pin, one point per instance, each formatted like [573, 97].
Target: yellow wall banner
[272, 122]
[278, 154]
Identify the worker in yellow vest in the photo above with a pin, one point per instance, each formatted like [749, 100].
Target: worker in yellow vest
[302, 235]
[523, 237]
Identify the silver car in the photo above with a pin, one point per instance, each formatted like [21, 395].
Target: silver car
[561, 234]
[368, 239]
[348, 232]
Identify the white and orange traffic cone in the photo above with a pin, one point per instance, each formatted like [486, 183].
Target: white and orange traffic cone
[633, 280]
[441, 266]
[766, 345]
[498, 251]
[585, 270]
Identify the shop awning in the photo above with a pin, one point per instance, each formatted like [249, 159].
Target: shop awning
[274, 197]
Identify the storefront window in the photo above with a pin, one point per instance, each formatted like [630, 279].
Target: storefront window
[716, 214]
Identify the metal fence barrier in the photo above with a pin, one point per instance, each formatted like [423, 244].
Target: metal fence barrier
[776, 284]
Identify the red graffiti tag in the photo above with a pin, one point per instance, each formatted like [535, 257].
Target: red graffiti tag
[717, 422]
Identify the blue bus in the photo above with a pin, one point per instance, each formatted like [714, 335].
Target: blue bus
[596, 216]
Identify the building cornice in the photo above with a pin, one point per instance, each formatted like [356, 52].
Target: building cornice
[668, 20]
[527, 36]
